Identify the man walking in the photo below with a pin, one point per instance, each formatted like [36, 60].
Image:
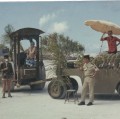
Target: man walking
[89, 80]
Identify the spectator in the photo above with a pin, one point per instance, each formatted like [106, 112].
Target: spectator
[7, 75]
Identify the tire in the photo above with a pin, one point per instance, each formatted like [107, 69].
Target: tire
[64, 91]
[74, 83]
[56, 89]
[66, 86]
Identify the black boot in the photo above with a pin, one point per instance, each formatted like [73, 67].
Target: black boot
[81, 103]
[9, 95]
[89, 104]
[3, 95]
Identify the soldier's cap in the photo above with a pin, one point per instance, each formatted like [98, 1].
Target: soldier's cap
[86, 56]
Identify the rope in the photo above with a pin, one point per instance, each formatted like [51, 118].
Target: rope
[102, 43]
[101, 48]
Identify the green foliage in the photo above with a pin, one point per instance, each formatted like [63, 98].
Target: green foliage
[2, 46]
[6, 37]
[7, 40]
[60, 48]
[64, 44]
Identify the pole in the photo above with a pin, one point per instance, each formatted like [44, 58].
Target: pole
[41, 55]
[102, 43]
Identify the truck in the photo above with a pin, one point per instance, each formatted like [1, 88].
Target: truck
[24, 74]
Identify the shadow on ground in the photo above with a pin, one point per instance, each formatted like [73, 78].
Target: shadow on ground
[27, 90]
[105, 96]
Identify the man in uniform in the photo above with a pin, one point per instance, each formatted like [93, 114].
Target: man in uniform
[89, 80]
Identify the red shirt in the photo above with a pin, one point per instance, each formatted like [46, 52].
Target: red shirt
[111, 43]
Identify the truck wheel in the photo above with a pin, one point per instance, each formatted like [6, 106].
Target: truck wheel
[74, 83]
[56, 89]
[37, 86]
[66, 86]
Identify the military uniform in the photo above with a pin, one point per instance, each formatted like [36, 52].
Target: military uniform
[89, 81]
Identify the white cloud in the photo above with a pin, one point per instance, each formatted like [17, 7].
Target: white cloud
[46, 18]
[59, 27]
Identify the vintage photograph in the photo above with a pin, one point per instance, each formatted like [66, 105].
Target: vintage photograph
[59, 59]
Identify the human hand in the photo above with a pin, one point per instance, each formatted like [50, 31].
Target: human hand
[103, 34]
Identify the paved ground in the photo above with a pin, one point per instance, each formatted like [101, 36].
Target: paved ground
[27, 104]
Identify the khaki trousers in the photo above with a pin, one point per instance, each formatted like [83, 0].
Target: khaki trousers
[88, 82]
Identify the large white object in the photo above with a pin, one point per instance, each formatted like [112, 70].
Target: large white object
[103, 26]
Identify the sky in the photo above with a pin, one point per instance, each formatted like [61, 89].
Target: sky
[63, 17]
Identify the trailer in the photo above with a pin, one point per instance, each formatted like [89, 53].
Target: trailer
[107, 80]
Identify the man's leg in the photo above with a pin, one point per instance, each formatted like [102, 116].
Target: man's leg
[9, 87]
[84, 91]
[4, 87]
[91, 90]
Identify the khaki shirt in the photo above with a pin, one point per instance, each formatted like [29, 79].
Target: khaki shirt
[90, 69]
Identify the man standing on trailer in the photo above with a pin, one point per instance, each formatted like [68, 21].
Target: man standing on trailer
[112, 46]
[112, 42]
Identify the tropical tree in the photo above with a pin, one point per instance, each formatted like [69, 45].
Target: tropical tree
[6, 37]
[66, 45]
[2, 46]
[60, 48]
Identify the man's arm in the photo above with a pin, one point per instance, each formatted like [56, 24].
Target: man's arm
[2, 68]
[81, 67]
[96, 69]
[102, 39]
